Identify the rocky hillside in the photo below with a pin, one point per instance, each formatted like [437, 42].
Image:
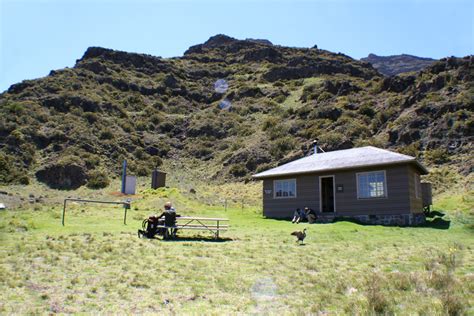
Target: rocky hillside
[226, 109]
[397, 64]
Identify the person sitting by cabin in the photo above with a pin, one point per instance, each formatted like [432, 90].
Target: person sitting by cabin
[310, 215]
[298, 216]
[169, 216]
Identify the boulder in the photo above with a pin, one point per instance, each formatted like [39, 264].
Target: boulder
[62, 176]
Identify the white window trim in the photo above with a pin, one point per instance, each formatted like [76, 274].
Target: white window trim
[384, 186]
[284, 197]
[321, 193]
[417, 186]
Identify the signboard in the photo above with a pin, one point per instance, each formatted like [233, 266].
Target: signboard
[130, 184]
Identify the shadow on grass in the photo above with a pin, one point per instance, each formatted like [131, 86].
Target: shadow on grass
[197, 238]
[433, 220]
[437, 223]
[433, 214]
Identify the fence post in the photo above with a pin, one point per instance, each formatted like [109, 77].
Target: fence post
[64, 211]
[225, 204]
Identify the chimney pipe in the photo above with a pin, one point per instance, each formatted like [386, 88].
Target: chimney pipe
[315, 146]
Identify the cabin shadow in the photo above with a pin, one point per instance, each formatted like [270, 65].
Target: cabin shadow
[434, 219]
[437, 223]
[433, 214]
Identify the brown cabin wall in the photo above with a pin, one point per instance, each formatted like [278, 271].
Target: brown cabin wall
[416, 204]
[398, 199]
[283, 208]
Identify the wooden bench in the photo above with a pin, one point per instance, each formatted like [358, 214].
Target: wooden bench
[211, 224]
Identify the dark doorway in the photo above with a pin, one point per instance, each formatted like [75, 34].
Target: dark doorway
[327, 194]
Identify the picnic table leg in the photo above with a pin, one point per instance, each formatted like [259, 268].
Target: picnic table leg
[217, 232]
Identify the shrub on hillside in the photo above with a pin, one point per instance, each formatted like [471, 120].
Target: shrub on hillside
[238, 170]
[97, 180]
[324, 96]
[367, 110]
[91, 117]
[106, 134]
[437, 156]
[411, 150]
[310, 92]
[10, 173]
[281, 146]
[201, 150]
[141, 126]
[331, 140]
[443, 179]
[269, 123]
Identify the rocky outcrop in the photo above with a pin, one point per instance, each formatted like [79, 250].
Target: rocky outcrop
[397, 84]
[315, 69]
[397, 64]
[147, 64]
[264, 53]
[63, 176]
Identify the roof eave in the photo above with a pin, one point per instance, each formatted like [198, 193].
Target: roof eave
[418, 164]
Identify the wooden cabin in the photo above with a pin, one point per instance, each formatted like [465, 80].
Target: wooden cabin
[367, 184]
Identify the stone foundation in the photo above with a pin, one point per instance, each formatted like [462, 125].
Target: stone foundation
[387, 220]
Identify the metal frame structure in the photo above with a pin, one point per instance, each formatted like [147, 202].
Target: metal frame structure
[126, 206]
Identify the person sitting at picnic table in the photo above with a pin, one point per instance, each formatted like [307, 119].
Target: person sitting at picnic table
[298, 216]
[169, 216]
[310, 214]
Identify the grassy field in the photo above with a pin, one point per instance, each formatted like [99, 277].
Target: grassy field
[97, 264]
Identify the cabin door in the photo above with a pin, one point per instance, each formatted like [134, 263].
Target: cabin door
[327, 196]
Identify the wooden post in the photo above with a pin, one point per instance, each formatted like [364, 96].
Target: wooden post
[64, 211]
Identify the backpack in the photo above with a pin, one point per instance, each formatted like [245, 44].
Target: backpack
[149, 227]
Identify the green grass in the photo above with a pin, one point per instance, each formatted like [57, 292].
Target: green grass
[462, 202]
[97, 264]
[293, 100]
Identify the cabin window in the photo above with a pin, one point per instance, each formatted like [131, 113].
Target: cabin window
[284, 188]
[417, 186]
[371, 185]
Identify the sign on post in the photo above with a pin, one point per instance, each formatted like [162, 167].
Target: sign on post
[130, 184]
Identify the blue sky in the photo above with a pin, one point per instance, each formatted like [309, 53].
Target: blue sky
[38, 36]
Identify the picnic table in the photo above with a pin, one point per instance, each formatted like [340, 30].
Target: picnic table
[211, 224]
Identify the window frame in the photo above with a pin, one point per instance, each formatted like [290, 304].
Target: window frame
[385, 196]
[284, 197]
